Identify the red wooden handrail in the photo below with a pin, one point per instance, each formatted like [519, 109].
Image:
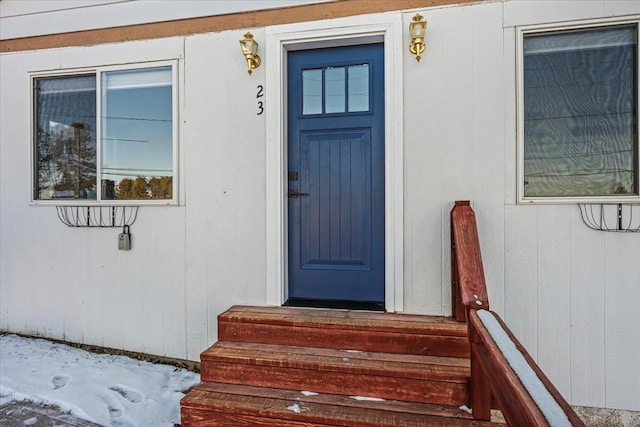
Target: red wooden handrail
[508, 387]
[469, 290]
[491, 371]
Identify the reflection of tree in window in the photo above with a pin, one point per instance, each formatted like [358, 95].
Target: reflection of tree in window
[65, 138]
[136, 142]
[161, 188]
[140, 189]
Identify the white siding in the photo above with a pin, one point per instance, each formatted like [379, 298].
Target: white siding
[570, 294]
[226, 190]
[73, 283]
[453, 148]
[38, 17]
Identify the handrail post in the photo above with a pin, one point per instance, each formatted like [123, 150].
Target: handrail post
[468, 277]
[459, 311]
[480, 390]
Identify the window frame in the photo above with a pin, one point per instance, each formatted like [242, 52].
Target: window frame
[521, 32]
[98, 72]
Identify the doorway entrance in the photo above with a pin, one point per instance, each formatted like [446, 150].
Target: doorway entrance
[336, 177]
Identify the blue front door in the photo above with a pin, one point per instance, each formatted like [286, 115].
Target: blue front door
[336, 176]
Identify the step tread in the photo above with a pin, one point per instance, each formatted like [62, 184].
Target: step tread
[434, 368]
[345, 319]
[263, 406]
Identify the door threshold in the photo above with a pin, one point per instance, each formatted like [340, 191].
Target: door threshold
[336, 304]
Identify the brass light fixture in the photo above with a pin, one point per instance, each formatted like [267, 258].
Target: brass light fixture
[249, 48]
[417, 28]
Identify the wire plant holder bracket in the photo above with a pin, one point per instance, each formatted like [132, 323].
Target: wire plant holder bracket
[97, 216]
[611, 217]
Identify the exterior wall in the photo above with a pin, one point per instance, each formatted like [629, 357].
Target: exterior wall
[570, 294]
[569, 290]
[39, 17]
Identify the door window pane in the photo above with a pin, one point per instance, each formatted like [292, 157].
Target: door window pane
[312, 91]
[580, 113]
[65, 138]
[334, 90]
[359, 88]
[137, 134]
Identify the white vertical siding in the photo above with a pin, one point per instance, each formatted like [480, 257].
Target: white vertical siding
[570, 294]
[226, 196]
[554, 278]
[489, 108]
[587, 258]
[451, 136]
[521, 275]
[622, 321]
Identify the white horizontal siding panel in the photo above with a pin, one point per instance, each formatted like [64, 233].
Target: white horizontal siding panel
[531, 12]
[11, 8]
[24, 20]
[621, 7]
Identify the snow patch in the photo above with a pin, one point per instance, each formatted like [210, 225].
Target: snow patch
[368, 399]
[59, 381]
[466, 408]
[539, 393]
[132, 395]
[297, 408]
[104, 389]
[30, 421]
[294, 408]
[309, 393]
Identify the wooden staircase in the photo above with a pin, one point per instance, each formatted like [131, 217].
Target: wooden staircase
[276, 366]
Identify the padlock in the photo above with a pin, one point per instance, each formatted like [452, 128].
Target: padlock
[124, 239]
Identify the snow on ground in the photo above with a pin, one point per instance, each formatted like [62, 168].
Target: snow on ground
[110, 390]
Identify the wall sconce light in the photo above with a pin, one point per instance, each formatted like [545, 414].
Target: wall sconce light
[417, 28]
[249, 48]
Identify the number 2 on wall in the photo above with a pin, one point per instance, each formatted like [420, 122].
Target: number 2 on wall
[259, 95]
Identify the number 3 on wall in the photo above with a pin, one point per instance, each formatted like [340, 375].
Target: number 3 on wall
[259, 95]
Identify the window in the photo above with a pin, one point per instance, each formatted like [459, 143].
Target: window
[579, 114]
[346, 90]
[105, 136]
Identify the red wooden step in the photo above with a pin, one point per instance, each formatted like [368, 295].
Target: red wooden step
[414, 378]
[344, 329]
[228, 405]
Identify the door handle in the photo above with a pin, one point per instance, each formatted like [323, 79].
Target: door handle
[293, 194]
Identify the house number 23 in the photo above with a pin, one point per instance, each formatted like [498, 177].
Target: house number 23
[259, 95]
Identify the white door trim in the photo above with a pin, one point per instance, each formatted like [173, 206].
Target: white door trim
[385, 28]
